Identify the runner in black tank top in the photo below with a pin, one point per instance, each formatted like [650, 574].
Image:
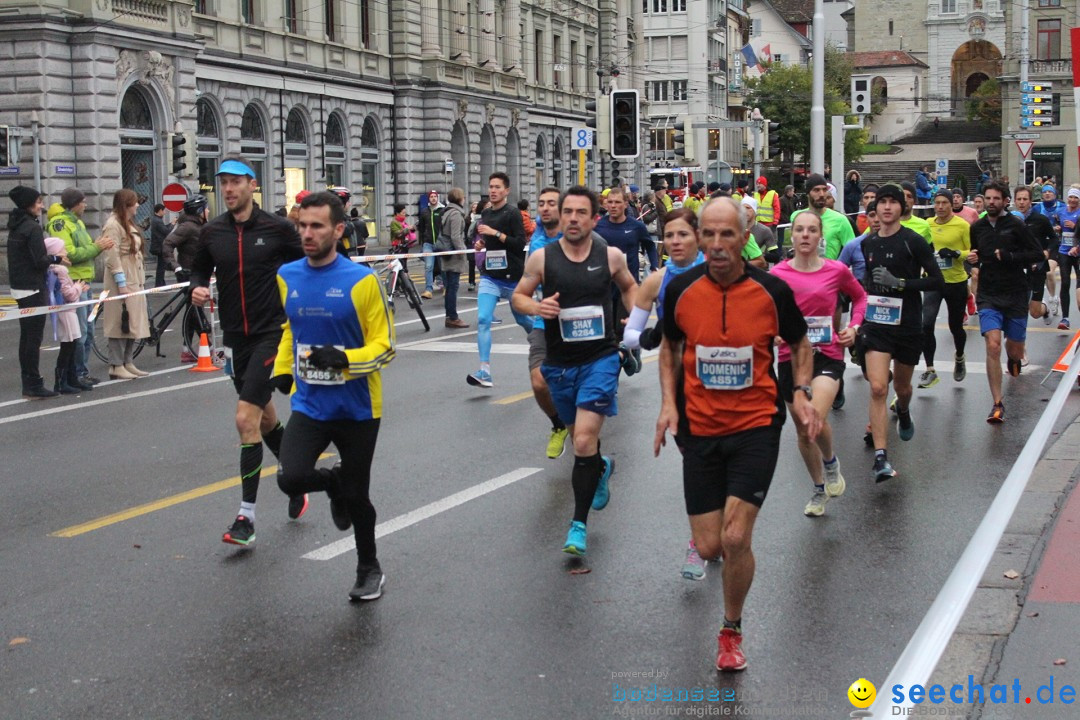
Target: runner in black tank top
[585, 330]
[582, 363]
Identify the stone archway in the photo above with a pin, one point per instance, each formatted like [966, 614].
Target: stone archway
[973, 82]
[513, 160]
[975, 57]
[487, 154]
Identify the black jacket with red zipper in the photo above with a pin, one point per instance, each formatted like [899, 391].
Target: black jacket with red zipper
[246, 258]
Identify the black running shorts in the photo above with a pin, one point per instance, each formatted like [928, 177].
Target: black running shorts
[904, 344]
[738, 465]
[252, 363]
[823, 366]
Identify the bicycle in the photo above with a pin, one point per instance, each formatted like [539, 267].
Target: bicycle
[193, 325]
[398, 282]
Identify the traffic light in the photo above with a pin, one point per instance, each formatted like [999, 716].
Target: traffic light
[600, 121]
[860, 95]
[4, 159]
[772, 138]
[179, 154]
[615, 180]
[625, 111]
[685, 138]
[1037, 105]
[1029, 172]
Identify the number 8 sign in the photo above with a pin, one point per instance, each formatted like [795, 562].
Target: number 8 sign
[582, 138]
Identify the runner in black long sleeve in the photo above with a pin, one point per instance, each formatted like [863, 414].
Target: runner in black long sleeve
[1004, 249]
[896, 259]
[244, 248]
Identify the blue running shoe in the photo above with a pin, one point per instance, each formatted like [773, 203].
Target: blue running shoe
[480, 378]
[575, 539]
[603, 494]
[904, 425]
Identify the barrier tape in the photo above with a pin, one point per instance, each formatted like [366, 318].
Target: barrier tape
[380, 258]
[50, 309]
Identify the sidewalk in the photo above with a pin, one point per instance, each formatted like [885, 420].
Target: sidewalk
[1025, 614]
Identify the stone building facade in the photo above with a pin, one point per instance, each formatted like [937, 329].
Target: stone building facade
[390, 99]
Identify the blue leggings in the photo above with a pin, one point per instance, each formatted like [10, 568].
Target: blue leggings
[486, 304]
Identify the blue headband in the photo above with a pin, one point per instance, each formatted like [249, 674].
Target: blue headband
[1050, 188]
[235, 167]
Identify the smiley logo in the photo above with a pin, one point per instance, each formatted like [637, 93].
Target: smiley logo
[862, 693]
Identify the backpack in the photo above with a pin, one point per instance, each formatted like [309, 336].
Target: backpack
[444, 243]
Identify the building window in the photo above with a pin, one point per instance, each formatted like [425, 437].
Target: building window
[659, 90]
[948, 6]
[208, 144]
[1049, 3]
[678, 90]
[678, 5]
[589, 87]
[778, 58]
[755, 27]
[575, 64]
[365, 24]
[290, 16]
[1049, 40]
[556, 58]
[200, 7]
[659, 6]
[890, 27]
[330, 19]
[247, 11]
[645, 6]
[253, 146]
[538, 56]
[661, 139]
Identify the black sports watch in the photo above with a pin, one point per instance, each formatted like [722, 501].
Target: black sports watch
[806, 390]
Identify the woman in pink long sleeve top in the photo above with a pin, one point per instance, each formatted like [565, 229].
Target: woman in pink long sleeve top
[817, 283]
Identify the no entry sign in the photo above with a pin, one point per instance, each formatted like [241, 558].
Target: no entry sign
[174, 196]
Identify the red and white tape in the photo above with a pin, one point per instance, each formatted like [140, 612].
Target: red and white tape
[50, 309]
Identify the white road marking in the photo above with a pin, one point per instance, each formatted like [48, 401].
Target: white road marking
[470, 347]
[106, 401]
[347, 544]
[107, 383]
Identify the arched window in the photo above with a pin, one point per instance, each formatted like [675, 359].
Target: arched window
[253, 145]
[297, 154]
[541, 162]
[335, 154]
[370, 164]
[139, 151]
[208, 142]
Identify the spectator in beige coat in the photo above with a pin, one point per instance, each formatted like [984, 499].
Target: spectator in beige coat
[125, 320]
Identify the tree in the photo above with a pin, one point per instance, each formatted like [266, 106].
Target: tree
[785, 94]
[984, 105]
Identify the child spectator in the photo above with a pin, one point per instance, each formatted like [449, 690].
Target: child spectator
[61, 291]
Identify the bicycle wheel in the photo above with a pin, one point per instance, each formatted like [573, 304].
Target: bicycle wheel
[193, 325]
[101, 343]
[413, 298]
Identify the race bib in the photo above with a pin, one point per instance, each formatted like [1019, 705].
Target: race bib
[495, 260]
[944, 263]
[883, 310]
[578, 324]
[1068, 241]
[819, 329]
[721, 368]
[313, 375]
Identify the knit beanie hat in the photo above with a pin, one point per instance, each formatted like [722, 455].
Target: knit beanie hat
[23, 196]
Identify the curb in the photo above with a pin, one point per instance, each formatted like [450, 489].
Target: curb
[994, 610]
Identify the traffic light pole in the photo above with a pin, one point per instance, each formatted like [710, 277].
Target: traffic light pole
[837, 141]
[757, 148]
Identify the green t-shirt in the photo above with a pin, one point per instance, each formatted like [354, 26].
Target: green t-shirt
[751, 251]
[953, 235]
[918, 225]
[836, 228]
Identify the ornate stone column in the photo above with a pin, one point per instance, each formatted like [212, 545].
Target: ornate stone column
[513, 38]
[429, 29]
[459, 31]
[487, 34]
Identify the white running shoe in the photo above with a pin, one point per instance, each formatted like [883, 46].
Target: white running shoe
[816, 506]
[834, 481]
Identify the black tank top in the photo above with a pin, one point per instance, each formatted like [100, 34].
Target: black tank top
[584, 330]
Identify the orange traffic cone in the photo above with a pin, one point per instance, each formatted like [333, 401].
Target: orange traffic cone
[204, 364]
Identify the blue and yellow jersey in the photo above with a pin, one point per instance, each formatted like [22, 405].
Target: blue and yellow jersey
[340, 304]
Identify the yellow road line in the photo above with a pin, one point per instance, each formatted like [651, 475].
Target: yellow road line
[513, 398]
[161, 504]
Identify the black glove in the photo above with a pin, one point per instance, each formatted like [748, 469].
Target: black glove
[947, 254]
[327, 357]
[650, 338]
[885, 278]
[282, 383]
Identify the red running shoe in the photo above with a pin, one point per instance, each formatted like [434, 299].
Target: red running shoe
[971, 306]
[730, 657]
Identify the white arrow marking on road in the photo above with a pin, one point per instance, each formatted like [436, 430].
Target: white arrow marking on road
[401, 522]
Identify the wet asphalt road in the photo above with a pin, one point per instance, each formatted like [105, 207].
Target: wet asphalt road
[151, 616]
